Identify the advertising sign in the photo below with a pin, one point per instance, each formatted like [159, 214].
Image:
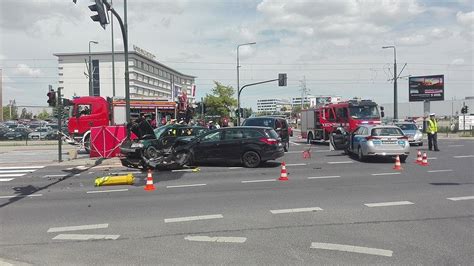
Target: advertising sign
[426, 88]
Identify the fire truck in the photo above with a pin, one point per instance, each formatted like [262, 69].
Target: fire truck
[319, 122]
[95, 111]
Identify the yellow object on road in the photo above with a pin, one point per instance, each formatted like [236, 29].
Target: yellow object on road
[196, 169]
[114, 180]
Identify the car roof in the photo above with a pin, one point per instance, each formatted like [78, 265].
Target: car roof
[379, 126]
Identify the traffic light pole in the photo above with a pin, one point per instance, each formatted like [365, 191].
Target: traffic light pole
[59, 107]
[240, 91]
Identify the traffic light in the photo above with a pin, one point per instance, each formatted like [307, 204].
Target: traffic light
[101, 16]
[51, 98]
[282, 79]
[467, 109]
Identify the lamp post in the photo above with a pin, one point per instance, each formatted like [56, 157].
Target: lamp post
[395, 77]
[238, 80]
[91, 93]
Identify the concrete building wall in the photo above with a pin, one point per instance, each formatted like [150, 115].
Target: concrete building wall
[441, 108]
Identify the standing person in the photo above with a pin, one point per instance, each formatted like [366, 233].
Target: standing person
[433, 133]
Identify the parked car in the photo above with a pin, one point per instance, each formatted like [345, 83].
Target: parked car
[410, 129]
[372, 140]
[3, 131]
[18, 133]
[40, 133]
[154, 148]
[277, 123]
[247, 145]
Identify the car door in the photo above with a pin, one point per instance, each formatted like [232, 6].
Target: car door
[358, 137]
[231, 145]
[207, 147]
[353, 140]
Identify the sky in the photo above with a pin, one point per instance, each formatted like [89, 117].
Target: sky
[334, 47]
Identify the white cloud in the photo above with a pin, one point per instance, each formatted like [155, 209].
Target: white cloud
[413, 40]
[457, 61]
[24, 69]
[465, 18]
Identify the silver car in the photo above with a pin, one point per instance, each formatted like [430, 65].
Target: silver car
[410, 129]
[40, 133]
[378, 140]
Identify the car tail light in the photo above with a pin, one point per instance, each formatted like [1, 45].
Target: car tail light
[269, 141]
[371, 138]
[404, 137]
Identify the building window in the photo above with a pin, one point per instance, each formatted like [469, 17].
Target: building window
[141, 64]
[131, 62]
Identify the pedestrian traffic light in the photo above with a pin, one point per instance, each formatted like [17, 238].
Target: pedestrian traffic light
[282, 79]
[51, 98]
[101, 16]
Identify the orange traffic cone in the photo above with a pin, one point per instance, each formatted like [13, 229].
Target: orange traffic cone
[283, 174]
[424, 161]
[418, 158]
[149, 182]
[397, 166]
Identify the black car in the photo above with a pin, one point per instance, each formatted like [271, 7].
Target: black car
[18, 133]
[277, 123]
[249, 146]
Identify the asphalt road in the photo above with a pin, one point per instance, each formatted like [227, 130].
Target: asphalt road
[333, 210]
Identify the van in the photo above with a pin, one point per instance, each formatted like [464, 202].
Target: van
[280, 125]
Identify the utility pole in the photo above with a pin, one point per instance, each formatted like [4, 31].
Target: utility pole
[303, 91]
[113, 52]
[59, 108]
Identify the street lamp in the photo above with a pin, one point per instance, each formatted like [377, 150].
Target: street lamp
[238, 80]
[91, 93]
[395, 77]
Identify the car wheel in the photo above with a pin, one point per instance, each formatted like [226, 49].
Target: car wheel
[251, 159]
[360, 155]
[151, 152]
[87, 143]
[403, 158]
[310, 138]
[287, 146]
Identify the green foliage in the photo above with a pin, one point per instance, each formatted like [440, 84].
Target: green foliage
[247, 112]
[43, 115]
[6, 113]
[221, 101]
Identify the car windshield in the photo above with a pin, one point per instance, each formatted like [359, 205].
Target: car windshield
[387, 131]
[364, 112]
[159, 131]
[259, 122]
[272, 134]
[407, 126]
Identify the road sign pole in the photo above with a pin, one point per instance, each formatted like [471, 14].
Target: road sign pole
[59, 107]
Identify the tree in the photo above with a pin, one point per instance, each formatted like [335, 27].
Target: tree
[6, 112]
[247, 112]
[221, 102]
[43, 115]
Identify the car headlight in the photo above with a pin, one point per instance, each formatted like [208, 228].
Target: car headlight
[137, 145]
[418, 135]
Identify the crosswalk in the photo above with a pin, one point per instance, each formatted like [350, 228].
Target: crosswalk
[9, 173]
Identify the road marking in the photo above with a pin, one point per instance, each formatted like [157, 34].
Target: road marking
[310, 209]
[464, 156]
[294, 143]
[11, 175]
[77, 175]
[432, 158]
[184, 170]
[461, 198]
[85, 237]
[293, 152]
[257, 181]
[217, 239]
[387, 174]
[355, 249]
[46, 176]
[20, 196]
[459, 145]
[385, 204]
[77, 228]
[193, 218]
[90, 173]
[106, 191]
[295, 164]
[6, 179]
[437, 171]
[191, 185]
[321, 177]
[238, 167]
[17, 171]
[341, 162]
[21, 167]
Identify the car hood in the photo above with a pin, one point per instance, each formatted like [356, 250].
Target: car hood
[409, 132]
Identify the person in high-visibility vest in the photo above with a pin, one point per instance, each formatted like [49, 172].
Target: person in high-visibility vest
[432, 133]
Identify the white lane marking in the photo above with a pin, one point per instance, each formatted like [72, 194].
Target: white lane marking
[341, 162]
[237, 167]
[90, 173]
[385, 204]
[17, 171]
[20, 196]
[387, 174]
[77, 175]
[85, 237]
[432, 158]
[293, 152]
[81, 167]
[6, 179]
[217, 239]
[295, 164]
[355, 249]
[322, 177]
[106, 191]
[323, 151]
[11, 175]
[183, 170]
[458, 145]
[77, 228]
[194, 218]
[257, 181]
[191, 185]
[46, 176]
[310, 209]
[461, 198]
[294, 143]
[464, 156]
[21, 167]
[437, 171]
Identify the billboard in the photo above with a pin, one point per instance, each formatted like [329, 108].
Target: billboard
[426, 88]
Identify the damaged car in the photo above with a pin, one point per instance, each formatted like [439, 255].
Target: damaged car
[154, 148]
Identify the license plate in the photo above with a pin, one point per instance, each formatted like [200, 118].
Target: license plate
[389, 141]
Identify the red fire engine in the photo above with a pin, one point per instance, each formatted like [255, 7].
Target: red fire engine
[317, 123]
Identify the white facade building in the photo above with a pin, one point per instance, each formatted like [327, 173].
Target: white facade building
[271, 105]
[148, 77]
[307, 100]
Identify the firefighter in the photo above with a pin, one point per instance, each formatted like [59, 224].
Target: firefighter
[433, 133]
